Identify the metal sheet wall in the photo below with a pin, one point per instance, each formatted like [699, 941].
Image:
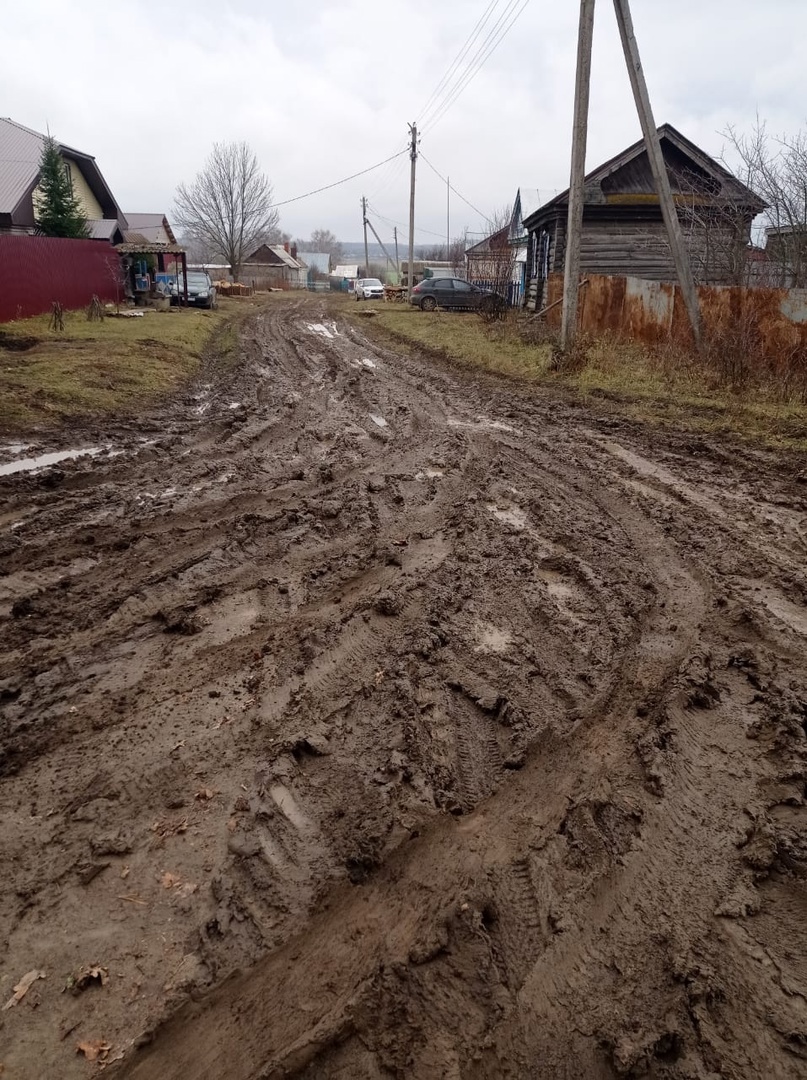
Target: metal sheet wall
[36, 270]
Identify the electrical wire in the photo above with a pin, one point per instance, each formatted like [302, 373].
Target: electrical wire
[457, 193]
[336, 183]
[469, 41]
[486, 50]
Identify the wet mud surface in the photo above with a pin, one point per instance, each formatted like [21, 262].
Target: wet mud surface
[364, 718]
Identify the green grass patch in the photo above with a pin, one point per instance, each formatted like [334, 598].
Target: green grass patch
[660, 386]
[113, 366]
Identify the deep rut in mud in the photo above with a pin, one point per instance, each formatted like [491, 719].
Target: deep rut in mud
[369, 718]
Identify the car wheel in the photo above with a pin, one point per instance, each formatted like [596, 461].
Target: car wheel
[428, 303]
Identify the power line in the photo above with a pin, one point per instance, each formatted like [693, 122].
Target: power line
[400, 224]
[457, 193]
[336, 183]
[486, 50]
[469, 41]
[461, 73]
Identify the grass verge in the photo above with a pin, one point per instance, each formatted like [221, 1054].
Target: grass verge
[113, 366]
[661, 386]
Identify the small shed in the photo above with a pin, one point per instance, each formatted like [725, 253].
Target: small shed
[623, 229]
[316, 262]
[168, 258]
[274, 266]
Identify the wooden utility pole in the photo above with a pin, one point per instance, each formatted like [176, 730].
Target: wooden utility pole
[413, 155]
[397, 262]
[683, 267]
[448, 216]
[379, 240]
[364, 223]
[574, 226]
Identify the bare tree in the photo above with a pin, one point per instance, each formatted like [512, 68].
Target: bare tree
[717, 231]
[776, 168]
[228, 207]
[323, 240]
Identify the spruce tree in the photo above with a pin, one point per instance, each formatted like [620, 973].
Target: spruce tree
[58, 211]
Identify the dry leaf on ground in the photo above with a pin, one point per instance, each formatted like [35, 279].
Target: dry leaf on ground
[22, 987]
[94, 1049]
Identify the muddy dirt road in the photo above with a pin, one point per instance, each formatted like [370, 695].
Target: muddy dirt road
[363, 719]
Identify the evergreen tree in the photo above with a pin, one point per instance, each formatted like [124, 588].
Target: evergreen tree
[58, 211]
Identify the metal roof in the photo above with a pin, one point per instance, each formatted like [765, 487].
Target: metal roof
[145, 248]
[102, 228]
[349, 270]
[20, 154]
[315, 260]
[152, 226]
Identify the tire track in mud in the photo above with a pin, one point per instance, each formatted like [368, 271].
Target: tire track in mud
[449, 739]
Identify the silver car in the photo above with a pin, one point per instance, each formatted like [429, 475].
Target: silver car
[369, 288]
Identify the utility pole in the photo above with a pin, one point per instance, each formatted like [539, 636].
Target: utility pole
[448, 217]
[364, 223]
[379, 240]
[683, 267]
[574, 226]
[397, 263]
[413, 155]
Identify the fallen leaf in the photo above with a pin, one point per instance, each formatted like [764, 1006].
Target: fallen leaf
[205, 794]
[170, 881]
[232, 825]
[379, 677]
[188, 889]
[85, 977]
[22, 987]
[124, 872]
[94, 1049]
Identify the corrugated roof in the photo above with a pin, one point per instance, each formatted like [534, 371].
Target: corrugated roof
[152, 226]
[285, 256]
[315, 260]
[102, 228]
[20, 151]
[350, 270]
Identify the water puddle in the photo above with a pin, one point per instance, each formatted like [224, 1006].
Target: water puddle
[492, 640]
[483, 423]
[378, 420]
[42, 461]
[510, 515]
[322, 330]
[13, 449]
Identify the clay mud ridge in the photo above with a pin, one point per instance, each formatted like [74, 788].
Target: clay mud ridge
[368, 718]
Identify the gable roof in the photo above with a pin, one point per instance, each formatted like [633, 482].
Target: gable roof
[274, 254]
[730, 187]
[347, 270]
[20, 154]
[496, 242]
[106, 229]
[151, 226]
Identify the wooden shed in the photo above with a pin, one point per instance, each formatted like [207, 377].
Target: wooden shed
[623, 230]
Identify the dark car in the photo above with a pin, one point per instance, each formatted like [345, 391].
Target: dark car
[456, 294]
[201, 291]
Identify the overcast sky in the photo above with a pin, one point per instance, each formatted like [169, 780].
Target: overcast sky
[324, 88]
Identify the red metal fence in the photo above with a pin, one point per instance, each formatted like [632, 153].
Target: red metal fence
[36, 270]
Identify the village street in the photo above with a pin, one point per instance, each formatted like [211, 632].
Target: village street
[462, 725]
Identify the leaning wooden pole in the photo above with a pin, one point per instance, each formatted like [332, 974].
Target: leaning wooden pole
[683, 267]
[574, 225]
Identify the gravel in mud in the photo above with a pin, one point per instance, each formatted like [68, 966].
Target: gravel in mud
[366, 718]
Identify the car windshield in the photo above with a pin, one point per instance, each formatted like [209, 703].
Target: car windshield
[371, 281]
[193, 279]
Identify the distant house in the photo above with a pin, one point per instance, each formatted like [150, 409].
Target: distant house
[20, 155]
[490, 258]
[317, 262]
[152, 227]
[623, 230]
[344, 277]
[274, 266]
[526, 202]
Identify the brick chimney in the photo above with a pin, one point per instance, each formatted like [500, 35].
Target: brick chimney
[286, 246]
[294, 251]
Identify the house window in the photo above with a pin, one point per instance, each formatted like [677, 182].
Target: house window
[68, 171]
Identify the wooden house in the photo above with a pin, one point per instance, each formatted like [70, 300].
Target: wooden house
[623, 230]
[274, 266]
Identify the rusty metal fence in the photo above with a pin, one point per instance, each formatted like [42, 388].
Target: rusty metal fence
[774, 321]
[36, 270]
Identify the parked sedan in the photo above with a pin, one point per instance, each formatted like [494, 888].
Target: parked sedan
[201, 292]
[369, 288]
[456, 294]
